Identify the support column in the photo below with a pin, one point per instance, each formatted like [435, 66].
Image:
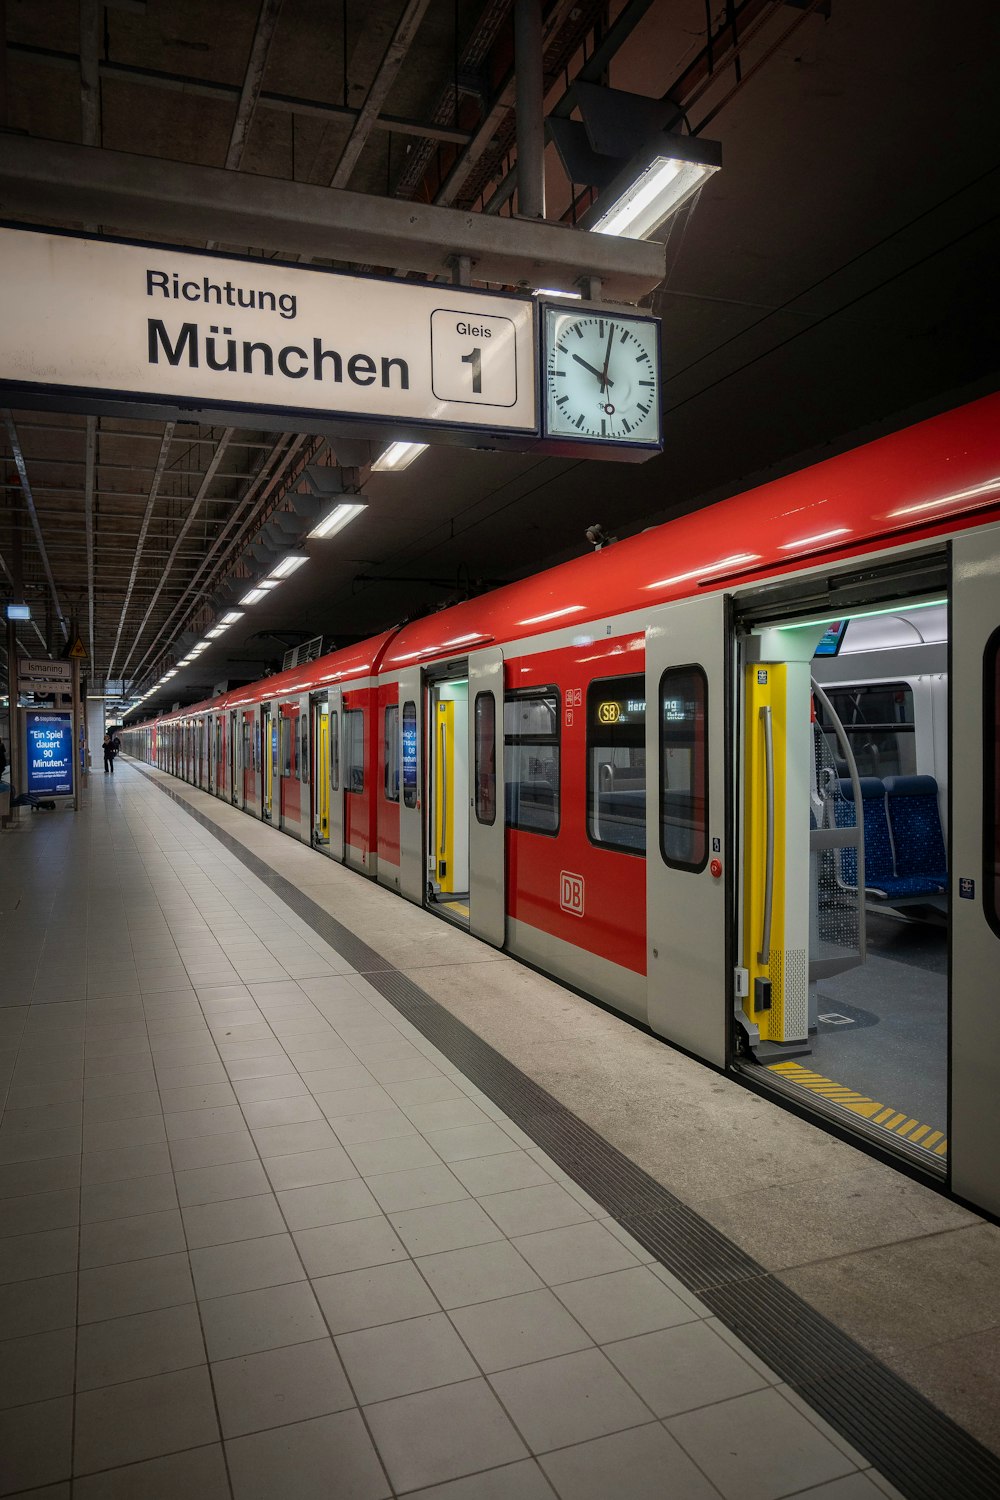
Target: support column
[529, 109]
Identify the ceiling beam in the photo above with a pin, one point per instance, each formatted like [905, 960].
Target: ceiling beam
[207, 88]
[173, 200]
[385, 76]
[216, 460]
[252, 81]
[22, 474]
[154, 488]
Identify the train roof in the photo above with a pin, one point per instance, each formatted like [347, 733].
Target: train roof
[938, 475]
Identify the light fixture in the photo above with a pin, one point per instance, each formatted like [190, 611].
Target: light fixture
[18, 612]
[267, 584]
[288, 564]
[339, 517]
[652, 185]
[254, 596]
[231, 616]
[555, 291]
[211, 635]
[397, 456]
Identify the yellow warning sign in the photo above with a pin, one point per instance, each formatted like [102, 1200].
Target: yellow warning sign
[77, 649]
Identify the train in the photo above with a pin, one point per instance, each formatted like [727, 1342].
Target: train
[737, 777]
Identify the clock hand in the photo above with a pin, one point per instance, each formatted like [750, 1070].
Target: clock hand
[605, 382]
[602, 376]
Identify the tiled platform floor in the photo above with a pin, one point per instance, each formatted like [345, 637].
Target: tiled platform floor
[258, 1238]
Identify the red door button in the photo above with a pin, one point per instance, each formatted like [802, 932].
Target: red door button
[716, 867]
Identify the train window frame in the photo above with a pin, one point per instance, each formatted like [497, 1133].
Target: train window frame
[303, 765]
[991, 782]
[607, 686]
[686, 669]
[411, 792]
[285, 745]
[391, 767]
[515, 741]
[901, 729]
[490, 775]
[349, 747]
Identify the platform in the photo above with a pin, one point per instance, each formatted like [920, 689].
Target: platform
[304, 1192]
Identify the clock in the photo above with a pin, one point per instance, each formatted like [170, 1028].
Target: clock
[601, 376]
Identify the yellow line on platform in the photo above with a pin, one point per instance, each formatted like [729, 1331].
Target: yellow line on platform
[897, 1122]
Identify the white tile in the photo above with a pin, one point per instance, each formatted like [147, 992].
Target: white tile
[441, 1434]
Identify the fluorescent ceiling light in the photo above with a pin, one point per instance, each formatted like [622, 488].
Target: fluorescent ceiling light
[397, 456]
[819, 536]
[288, 564]
[254, 596]
[267, 584]
[338, 518]
[654, 184]
[18, 612]
[231, 616]
[211, 635]
[554, 614]
[555, 291]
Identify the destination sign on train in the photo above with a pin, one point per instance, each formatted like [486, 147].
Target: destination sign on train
[161, 329]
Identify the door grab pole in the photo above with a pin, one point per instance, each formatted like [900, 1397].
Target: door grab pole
[764, 956]
[444, 790]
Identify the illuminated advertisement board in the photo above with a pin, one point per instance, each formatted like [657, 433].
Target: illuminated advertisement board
[49, 742]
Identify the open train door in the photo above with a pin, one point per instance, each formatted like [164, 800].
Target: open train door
[974, 865]
[687, 960]
[487, 840]
[412, 875]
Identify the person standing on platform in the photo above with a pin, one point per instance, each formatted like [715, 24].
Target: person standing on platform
[109, 753]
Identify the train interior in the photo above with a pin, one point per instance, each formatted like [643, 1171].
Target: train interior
[846, 989]
[448, 813]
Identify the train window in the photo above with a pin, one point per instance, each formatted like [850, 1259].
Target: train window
[531, 759]
[684, 767]
[616, 763]
[486, 758]
[285, 752]
[334, 750]
[391, 764]
[991, 771]
[303, 747]
[878, 719]
[410, 754]
[354, 749]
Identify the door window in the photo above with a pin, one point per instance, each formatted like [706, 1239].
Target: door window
[486, 758]
[390, 780]
[354, 749]
[334, 750]
[991, 770]
[410, 754]
[684, 767]
[286, 746]
[878, 720]
[616, 763]
[531, 760]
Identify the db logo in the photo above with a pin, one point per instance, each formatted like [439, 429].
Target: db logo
[571, 893]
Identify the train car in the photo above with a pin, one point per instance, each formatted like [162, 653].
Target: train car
[703, 775]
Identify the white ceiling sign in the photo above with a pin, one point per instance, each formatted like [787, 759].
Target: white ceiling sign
[107, 321]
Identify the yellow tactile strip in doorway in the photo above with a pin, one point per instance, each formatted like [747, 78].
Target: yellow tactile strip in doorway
[898, 1122]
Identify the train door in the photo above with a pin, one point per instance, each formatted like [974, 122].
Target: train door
[412, 875]
[448, 798]
[487, 836]
[249, 762]
[289, 785]
[842, 910]
[268, 736]
[319, 710]
[975, 865]
[686, 735]
[335, 837]
[235, 758]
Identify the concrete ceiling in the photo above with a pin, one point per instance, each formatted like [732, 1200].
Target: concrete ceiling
[839, 273]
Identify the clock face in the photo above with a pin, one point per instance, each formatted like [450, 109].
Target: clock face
[602, 377]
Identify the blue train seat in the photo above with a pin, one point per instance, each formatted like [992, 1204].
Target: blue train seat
[882, 877]
[915, 825]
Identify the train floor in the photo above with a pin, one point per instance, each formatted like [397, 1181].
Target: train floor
[880, 1049]
[305, 1192]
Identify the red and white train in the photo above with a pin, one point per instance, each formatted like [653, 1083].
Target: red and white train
[638, 770]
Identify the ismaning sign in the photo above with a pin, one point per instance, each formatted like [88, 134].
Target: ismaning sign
[157, 325]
